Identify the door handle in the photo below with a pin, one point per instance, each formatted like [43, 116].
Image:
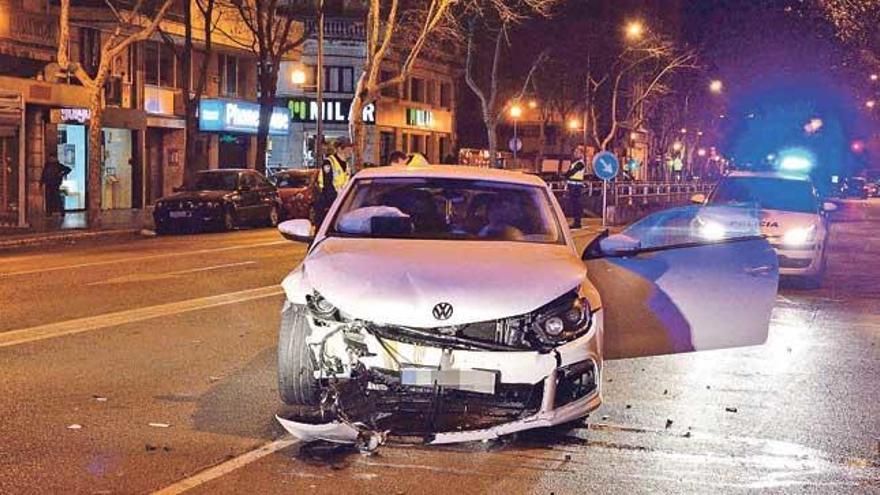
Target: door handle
[759, 270]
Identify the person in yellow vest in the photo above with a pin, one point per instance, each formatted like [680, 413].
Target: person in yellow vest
[574, 186]
[334, 174]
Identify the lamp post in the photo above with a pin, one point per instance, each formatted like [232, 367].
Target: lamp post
[515, 114]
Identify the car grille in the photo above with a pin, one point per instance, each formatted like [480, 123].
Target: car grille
[786, 262]
[507, 334]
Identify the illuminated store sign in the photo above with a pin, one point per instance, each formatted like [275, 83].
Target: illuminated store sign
[239, 116]
[417, 117]
[335, 110]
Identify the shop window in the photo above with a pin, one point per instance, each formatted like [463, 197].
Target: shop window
[444, 149]
[445, 95]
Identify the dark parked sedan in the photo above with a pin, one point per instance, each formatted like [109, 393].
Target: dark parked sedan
[219, 199]
[296, 187]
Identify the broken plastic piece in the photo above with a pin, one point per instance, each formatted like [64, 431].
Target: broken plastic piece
[160, 425]
[74, 427]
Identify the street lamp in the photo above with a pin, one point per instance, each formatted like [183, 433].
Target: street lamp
[573, 124]
[635, 30]
[298, 77]
[870, 104]
[515, 114]
[716, 86]
[533, 104]
[875, 77]
[677, 146]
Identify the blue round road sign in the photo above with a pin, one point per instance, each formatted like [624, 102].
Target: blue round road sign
[605, 165]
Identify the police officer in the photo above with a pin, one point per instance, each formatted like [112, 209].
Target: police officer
[574, 186]
[333, 177]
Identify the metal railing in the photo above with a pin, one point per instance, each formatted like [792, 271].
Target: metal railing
[641, 193]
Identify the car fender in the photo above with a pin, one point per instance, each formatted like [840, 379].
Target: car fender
[296, 286]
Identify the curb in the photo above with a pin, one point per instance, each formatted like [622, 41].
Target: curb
[60, 238]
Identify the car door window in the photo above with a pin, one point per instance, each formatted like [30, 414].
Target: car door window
[247, 181]
[262, 182]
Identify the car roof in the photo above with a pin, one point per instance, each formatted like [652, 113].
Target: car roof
[768, 175]
[225, 170]
[452, 172]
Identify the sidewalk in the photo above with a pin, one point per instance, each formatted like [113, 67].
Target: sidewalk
[73, 228]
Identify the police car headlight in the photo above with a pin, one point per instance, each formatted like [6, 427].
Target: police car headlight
[799, 236]
[710, 230]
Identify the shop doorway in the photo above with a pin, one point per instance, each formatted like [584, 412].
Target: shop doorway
[9, 170]
[116, 170]
[72, 153]
[233, 151]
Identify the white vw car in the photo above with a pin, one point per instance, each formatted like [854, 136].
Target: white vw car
[790, 213]
[449, 303]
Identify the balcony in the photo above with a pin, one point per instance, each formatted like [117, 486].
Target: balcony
[338, 29]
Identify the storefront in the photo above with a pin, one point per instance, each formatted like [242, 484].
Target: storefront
[233, 126]
[298, 149]
[165, 143]
[12, 188]
[121, 176]
[412, 129]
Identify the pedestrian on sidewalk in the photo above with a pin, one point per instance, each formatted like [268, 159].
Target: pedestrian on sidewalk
[54, 173]
[574, 186]
[332, 177]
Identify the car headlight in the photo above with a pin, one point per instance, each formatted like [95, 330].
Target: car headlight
[564, 319]
[320, 306]
[711, 230]
[160, 205]
[799, 236]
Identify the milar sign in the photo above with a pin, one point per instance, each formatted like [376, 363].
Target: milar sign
[335, 110]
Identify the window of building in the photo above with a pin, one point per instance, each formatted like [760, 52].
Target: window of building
[160, 65]
[339, 79]
[90, 50]
[445, 95]
[444, 148]
[231, 80]
[390, 91]
[430, 84]
[417, 90]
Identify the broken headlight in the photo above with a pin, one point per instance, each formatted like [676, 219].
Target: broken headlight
[321, 307]
[564, 319]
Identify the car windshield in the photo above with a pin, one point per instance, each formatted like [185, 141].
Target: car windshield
[418, 208]
[291, 181]
[766, 193]
[214, 181]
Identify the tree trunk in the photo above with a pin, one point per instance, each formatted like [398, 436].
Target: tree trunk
[542, 145]
[268, 83]
[95, 159]
[356, 127]
[492, 135]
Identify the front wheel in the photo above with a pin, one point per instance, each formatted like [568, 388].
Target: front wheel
[228, 221]
[296, 377]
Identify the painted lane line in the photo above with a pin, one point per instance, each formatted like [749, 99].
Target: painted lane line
[89, 323]
[140, 258]
[227, 467]
[153, 277]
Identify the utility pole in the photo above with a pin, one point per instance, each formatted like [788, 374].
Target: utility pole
[588, 110]
[319, 90]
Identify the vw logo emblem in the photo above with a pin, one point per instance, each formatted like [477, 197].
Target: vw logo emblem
[442, 311]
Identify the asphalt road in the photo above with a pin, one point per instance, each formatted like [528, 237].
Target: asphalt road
[149, 365]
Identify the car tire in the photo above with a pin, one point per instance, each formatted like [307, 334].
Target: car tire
[162, 229]
[274, 216]
[228, 221]
[296, 378]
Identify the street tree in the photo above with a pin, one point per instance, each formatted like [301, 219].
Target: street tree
[487, 28]
[397, 30]
[856, 23]
[128, 27]
[274, 33]
[559, 92]
[623, 87]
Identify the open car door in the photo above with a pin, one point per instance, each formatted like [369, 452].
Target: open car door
[682, 280]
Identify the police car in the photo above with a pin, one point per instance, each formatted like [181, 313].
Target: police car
[790, 214]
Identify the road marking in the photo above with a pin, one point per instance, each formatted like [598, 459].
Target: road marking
[89, 323]
[151, 277]
[227, 467]
[141, 258]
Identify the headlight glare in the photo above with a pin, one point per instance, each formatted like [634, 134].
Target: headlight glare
[799, 236]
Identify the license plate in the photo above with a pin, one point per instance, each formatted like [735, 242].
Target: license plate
[480, 381]
[178, 214]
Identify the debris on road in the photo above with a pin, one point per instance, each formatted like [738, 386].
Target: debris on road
[99, 398]
[150, 448]
[74, 427]
[629, 406]
[665, 392]
[668, 423]
[214, 378]
[159, 425]
[730, 409]
[687, 434]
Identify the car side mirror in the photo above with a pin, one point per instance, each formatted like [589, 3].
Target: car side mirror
[619, 245]
[298, 230]
[828, 206]
[698, 198]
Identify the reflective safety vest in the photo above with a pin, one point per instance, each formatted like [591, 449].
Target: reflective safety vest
[579, 175]
[340, 174]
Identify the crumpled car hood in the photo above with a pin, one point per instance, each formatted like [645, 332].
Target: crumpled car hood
[399, 282]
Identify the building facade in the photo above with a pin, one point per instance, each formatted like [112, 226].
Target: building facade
[416, 116]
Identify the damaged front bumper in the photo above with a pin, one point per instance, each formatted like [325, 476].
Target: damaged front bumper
[437, 393]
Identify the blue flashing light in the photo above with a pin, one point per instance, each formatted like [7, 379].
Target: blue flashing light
[795, 160]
